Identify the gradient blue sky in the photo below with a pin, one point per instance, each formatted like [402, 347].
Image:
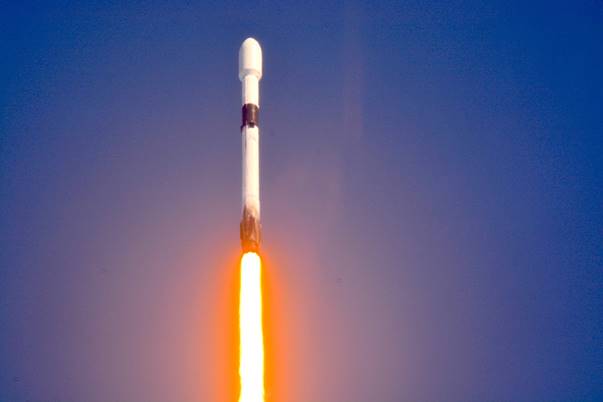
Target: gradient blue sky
[432, 178]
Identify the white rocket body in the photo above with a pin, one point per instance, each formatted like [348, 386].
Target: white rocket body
[250, 73]
[251, 170]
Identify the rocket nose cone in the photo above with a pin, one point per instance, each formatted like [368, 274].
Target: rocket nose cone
[250, 43]
[250, 59]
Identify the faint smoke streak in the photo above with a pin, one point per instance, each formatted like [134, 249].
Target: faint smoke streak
[353, 72]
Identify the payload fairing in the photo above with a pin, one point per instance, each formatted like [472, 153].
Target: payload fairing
[250, 73]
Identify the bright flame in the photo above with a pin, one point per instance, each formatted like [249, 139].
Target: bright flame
[251, 365]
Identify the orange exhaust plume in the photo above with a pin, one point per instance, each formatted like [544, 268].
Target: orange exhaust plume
[251, 337]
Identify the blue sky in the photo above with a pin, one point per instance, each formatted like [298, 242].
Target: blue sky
[431, 199]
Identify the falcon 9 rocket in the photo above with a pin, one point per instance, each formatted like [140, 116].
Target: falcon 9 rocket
[250, 73]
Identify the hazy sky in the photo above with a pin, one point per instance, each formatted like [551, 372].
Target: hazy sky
[432, 200]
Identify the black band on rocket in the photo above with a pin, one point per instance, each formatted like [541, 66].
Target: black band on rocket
[251, 114]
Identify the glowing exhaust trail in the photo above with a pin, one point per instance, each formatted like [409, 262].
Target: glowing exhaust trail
[251, 365]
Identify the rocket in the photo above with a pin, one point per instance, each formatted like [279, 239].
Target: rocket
[250, 73]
